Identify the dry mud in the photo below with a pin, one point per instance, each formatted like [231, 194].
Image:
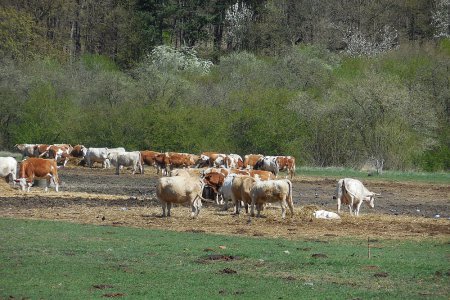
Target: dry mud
[97, 196]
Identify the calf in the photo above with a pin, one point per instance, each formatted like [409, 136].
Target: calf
[32, 168]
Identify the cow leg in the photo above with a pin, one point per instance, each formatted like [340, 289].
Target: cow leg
[252, 209]
[338, 204]
[55, 182]
[169, 207]
[358, 206]
[246, 208]
[283, 209]
[117, 169]
[164, 205]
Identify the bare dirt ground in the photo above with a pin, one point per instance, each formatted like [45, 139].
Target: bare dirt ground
[97, 196]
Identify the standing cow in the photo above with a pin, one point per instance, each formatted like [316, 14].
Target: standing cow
[240, 190]
[33, 167]
[352, 192]
[129, 159]
[180, 189]
[272, 191]
[99, 155]
[8, 168]
[268, 163]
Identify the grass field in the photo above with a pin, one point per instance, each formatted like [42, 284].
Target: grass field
[58, 260]
[337, 172]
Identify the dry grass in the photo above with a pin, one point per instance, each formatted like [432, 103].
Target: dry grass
[213, 220]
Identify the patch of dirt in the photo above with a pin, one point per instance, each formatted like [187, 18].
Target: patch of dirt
[98, 196]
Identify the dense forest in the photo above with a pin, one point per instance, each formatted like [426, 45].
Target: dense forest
[333, 83]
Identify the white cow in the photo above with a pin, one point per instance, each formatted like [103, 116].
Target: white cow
[272, 191]
[128, 159]
[268, 163]
[225, 190]
[8, 168]
[180, 189]
[99, 155]
[328, 215]
[352, 192]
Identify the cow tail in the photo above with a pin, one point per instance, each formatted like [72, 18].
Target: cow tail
[290, 191]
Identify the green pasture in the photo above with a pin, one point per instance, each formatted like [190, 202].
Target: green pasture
[339, 172]
[58, 260]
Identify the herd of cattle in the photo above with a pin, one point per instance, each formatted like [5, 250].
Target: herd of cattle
[251, 181]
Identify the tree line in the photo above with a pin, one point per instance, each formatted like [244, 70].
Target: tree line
[331, 84]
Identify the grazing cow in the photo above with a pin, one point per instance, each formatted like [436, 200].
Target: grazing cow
[8, 168]
[77, 151]
[225, 190]
[60, 153]
[149, 158]
[268, 163]
[352, 192]
[240, 190]
[180, 189]
[129, 159]
[99, 155]
[34, 167]
[272, 191]
[287, 163]
[215, 181]
[251, 159]
[41, 150]
[262, 175]
[27, 150]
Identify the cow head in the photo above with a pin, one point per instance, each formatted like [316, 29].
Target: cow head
[370, 200]
[24, 183]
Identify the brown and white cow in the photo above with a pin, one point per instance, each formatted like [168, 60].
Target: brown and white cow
[215, 181]
[34, 167]
[41, 150]
[262, 175]
[251, 159]
[59, 152]
[149, 158]
[78, 151]
[272, 191]
[287, 163]
[208, 159]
